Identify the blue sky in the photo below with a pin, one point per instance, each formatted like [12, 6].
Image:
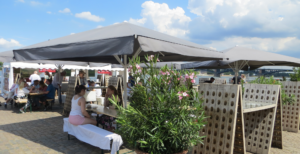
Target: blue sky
[269, 25]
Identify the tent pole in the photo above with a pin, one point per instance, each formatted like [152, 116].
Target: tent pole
[125, 81]
[236, 72]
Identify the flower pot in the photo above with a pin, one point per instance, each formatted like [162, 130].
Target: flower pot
[137, 151]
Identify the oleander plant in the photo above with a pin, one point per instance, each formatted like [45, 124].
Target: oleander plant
[165, 115]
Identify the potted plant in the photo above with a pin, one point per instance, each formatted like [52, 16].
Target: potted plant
[164, 116]
[286, 99]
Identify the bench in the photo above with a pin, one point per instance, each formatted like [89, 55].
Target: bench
[51, 102]
[94, 135]
[23, 101]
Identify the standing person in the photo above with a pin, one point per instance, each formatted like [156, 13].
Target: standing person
[49, 94]
[128, 90]
[238, 80]
[57, 81]
[78, 114]
[131, 80]
[243, 77]
[82, 79]
[34, 77]
[48, 76]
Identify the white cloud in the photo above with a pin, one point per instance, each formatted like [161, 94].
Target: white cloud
[265, 44]
[22, 1]
[9, 44]
[36, 3]
[163, 19]
[89, 16]
[72, 33]
[270, 25]
[49, 12]
[66, 10]
[99, 26]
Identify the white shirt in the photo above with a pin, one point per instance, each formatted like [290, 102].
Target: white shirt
[75, 108]
[34, 77]
[57, 80]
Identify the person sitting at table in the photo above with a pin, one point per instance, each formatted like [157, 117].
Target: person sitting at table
[10, 94]
[35, 86]
[78, 114]
[17, 91]
[105, 120]
[43, 86]
[49, 94]
[35, 100]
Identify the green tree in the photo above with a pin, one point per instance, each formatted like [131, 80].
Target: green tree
[1, 65]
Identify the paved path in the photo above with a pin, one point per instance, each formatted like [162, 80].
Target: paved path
[41, 133]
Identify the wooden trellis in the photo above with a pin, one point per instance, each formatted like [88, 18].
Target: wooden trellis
[290, 112]
[224, 130]
[202, 80]
[69, 96]
[262, 120]
[220, 81]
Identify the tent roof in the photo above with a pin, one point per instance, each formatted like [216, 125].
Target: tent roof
[255, 58]
[7, 56]
[99, 45]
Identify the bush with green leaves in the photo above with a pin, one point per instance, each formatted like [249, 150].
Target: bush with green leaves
[296, 75]
[286, 99]
[164, 116]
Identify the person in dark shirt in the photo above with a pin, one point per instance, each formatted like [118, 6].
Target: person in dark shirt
[238, 80]
[210, 81]
[49, 94]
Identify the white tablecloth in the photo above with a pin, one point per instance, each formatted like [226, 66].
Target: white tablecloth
[94, 135]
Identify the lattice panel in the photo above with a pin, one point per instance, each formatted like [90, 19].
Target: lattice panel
[69, 95]
[106, 80]
[262, 100]
[259, 128]
[220, 81]
[290, 112]
[259, 95]
[277, 133]
[221, 104]
[100, 79]
[202, 80]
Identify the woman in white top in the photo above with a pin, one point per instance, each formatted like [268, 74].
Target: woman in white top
[78, 114]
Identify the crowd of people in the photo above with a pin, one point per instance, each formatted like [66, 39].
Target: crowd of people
[21, 90]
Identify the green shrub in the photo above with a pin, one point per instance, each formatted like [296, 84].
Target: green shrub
[164, 117]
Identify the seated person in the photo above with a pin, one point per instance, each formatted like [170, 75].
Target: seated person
[35, 100]
[35, 86]
[49, 93]
[16, 91]
[210, 81]
[78, 114]
[10, 95]
[105, 120]
[43, 86]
